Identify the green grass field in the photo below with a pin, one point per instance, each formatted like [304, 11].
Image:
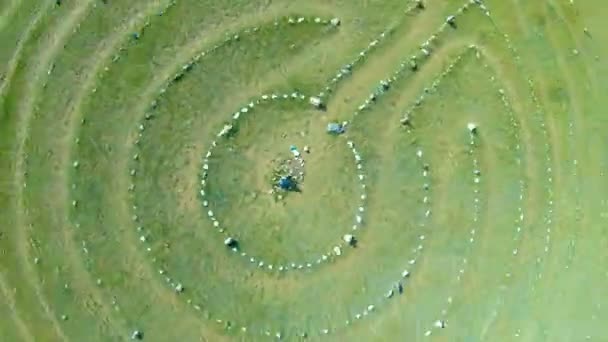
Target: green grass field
[470, 174]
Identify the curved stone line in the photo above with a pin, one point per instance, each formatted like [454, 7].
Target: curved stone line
[102, 55]
[65, 31]
[576, 109]
[520, 220]
[397, 287]
[406, 120]
[411, 63]
[539, 117]
[348, 68]
[441, 323]
[540, 113]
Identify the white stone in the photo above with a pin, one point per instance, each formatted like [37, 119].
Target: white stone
[348, 238]
[439, 324]
[335, 21]
[224, 131]
[337, 251]
[472, 127]
[405, 273]
[136, 335]
[316, 101]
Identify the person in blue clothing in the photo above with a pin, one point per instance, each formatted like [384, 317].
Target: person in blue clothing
[287, 183]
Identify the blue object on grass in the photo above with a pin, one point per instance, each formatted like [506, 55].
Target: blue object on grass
[335, 128]
[286, 183]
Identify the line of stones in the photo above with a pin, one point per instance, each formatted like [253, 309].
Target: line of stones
[415, 7]
[578, 208]
[548, 217]
[411, 63]
[441, 323]
[539, 117]
[397, 286]
[163, 9]
[406, 120]
[231, 242]
[519, 221]
[539, 113]
[75, 164]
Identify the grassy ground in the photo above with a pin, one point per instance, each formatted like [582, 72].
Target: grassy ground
[108, 110]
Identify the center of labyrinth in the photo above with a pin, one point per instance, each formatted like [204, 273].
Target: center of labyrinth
[273, 219]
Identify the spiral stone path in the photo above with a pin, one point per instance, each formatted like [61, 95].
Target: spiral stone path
[142, 144]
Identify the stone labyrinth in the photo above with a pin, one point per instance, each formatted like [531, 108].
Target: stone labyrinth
[254, 170]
